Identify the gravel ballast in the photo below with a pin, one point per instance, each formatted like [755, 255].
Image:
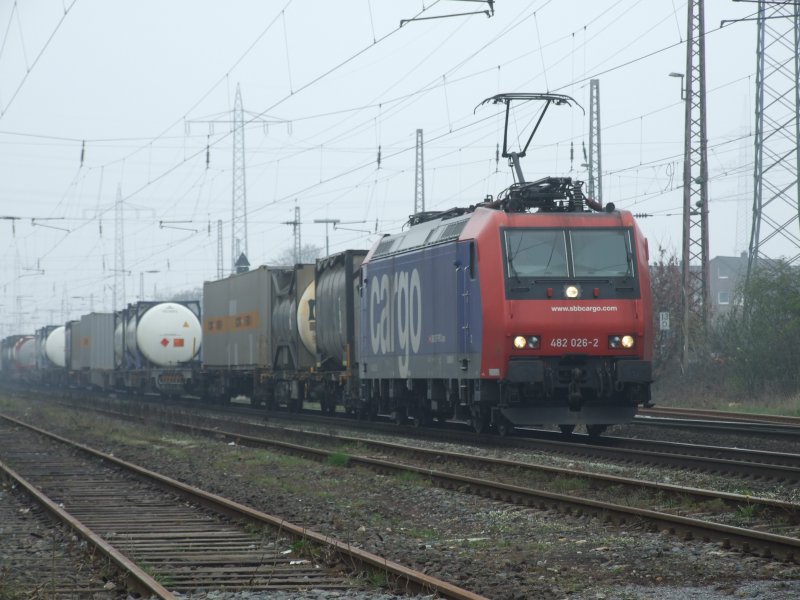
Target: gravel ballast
[496, 549]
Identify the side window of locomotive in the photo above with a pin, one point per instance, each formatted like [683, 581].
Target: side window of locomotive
[536, 253]
[601, 253]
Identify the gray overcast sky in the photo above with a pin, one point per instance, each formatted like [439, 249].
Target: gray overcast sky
[149, 84]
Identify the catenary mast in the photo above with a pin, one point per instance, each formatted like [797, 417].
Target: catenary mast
[776, 199]
[695, 188]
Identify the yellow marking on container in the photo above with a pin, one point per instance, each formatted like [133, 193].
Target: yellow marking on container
[237, 322]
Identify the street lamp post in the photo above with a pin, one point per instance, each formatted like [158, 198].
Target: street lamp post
[683, 90]
[327, 221]
[141, 282]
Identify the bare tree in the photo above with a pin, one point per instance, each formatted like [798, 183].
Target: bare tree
[308, 254]
[667, 287]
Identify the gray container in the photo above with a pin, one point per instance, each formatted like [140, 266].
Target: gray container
[337, 280]
[237, 320]
[73, 343]
[97, 341]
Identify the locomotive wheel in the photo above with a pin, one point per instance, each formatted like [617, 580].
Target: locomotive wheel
[399, 416]
[567, 429]
[596, 430]
[504, 427]
[479, 424]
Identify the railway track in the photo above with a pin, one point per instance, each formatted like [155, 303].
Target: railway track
[718, 415]
[757, 465]
[685, 512]
[738, 462]
[169, 537]
[719, 421]
[40, 559]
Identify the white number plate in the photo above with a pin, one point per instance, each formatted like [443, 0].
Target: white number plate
[575, 343]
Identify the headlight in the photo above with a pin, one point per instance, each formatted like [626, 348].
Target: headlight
[521, 342]
[621, 341]
[572, 291]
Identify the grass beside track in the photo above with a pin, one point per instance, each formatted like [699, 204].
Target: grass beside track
[694, 394]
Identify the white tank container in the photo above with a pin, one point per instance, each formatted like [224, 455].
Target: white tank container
[25, 353]
[55, 347]
[306, 325]
[168, 334]
[119, 341]
[130, 333]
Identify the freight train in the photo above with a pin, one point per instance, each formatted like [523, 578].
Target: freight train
[532, 308]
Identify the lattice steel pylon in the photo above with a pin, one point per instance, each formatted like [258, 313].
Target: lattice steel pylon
[296, 233]
[776, 198]
[595, 161]
[419, 177]
[239, 197]
[695, 188]
[220, 260]
[119, 253]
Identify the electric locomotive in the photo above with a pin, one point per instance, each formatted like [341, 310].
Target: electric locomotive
[534, 308]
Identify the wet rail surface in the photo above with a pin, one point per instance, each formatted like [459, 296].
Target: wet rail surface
[179, 545]
[41, 559]
[783, 543]
[718, 415]
[184, 547]
[738, 462]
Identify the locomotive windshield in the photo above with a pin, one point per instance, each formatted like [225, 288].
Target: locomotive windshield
[573, 253]
[601, 253]
[536, 253]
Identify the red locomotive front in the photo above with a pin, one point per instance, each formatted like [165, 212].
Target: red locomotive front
[567, 315]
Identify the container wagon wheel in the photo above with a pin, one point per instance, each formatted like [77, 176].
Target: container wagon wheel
[399, 416]
[504, 427]
[567, 429]
[423, 418]
[595, 430]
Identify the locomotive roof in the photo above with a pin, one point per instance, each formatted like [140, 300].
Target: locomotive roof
[449, 225]
[427, 233]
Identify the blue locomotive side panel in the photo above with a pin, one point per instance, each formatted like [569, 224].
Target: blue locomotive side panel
[420, 314]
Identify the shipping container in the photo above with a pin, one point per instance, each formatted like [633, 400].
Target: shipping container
[336, 323]
[72, 344]
[237, 320]
[97, 348]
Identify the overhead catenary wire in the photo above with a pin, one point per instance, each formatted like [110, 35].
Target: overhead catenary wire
[30, 67]
[387, 144]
